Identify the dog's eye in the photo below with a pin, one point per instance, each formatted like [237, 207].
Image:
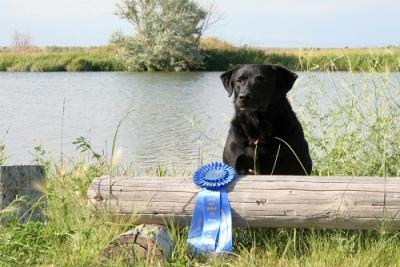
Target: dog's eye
[239, 80]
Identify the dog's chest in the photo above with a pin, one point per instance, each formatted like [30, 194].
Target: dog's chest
[256, 129]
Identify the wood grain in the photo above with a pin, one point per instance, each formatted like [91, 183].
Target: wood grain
[260, 201]
[23, 182]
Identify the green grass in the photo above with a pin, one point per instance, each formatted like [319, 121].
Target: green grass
[354, 131]
[219, 56]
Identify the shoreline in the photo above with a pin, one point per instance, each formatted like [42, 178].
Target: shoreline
[217, 57]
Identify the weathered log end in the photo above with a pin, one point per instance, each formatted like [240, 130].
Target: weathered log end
[22, 187]
[147, 241]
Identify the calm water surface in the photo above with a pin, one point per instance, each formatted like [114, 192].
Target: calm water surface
[159, 130]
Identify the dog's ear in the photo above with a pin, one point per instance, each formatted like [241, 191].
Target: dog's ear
[226, 79]
[286, 78]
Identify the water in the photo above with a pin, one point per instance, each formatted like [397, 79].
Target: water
[159, 130]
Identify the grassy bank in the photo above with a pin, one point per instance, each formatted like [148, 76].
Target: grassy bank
[221, 55]
[60, 59]
[218, 55]
[354, 131]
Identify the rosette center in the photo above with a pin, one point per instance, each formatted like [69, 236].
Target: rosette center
[214, 174]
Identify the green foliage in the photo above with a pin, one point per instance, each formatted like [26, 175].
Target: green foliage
[83, 145]
[42, 157]
[166, 37]
[26, 244]
[355, 131]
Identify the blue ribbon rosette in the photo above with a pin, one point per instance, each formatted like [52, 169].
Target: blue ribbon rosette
[211, 226]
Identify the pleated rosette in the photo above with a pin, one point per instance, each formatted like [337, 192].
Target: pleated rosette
[214, 175]
[211, 227]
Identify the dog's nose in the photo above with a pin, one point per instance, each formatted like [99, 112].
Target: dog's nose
[244, 97]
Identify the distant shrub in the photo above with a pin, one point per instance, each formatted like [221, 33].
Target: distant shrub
[167, 34]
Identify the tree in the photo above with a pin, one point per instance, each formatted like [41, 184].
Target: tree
[167, 34]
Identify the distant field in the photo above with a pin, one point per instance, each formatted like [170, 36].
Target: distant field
[218, 56]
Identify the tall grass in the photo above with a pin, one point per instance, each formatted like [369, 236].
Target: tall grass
[353, 126]
[352, 130]
[3, 156]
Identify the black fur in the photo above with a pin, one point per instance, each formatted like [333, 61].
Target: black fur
[264, 116]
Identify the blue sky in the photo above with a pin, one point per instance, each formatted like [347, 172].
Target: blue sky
[263, 23]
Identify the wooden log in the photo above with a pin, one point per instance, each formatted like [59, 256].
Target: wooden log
[146, 241]
[260, 201]
[23, 183]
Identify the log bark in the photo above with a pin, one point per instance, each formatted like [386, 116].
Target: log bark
[260, 201]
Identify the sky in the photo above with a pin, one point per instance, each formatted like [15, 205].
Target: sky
[260, 23]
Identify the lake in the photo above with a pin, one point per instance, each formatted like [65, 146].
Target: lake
[176, 119]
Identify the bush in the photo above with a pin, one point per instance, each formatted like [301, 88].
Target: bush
[167, 34]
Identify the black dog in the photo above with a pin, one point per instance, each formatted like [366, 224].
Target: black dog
[265, 136]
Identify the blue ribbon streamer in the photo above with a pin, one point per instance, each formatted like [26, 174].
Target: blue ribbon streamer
[211, 226]
[225, 230]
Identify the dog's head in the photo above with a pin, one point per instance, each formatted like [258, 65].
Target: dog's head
[255, 87]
